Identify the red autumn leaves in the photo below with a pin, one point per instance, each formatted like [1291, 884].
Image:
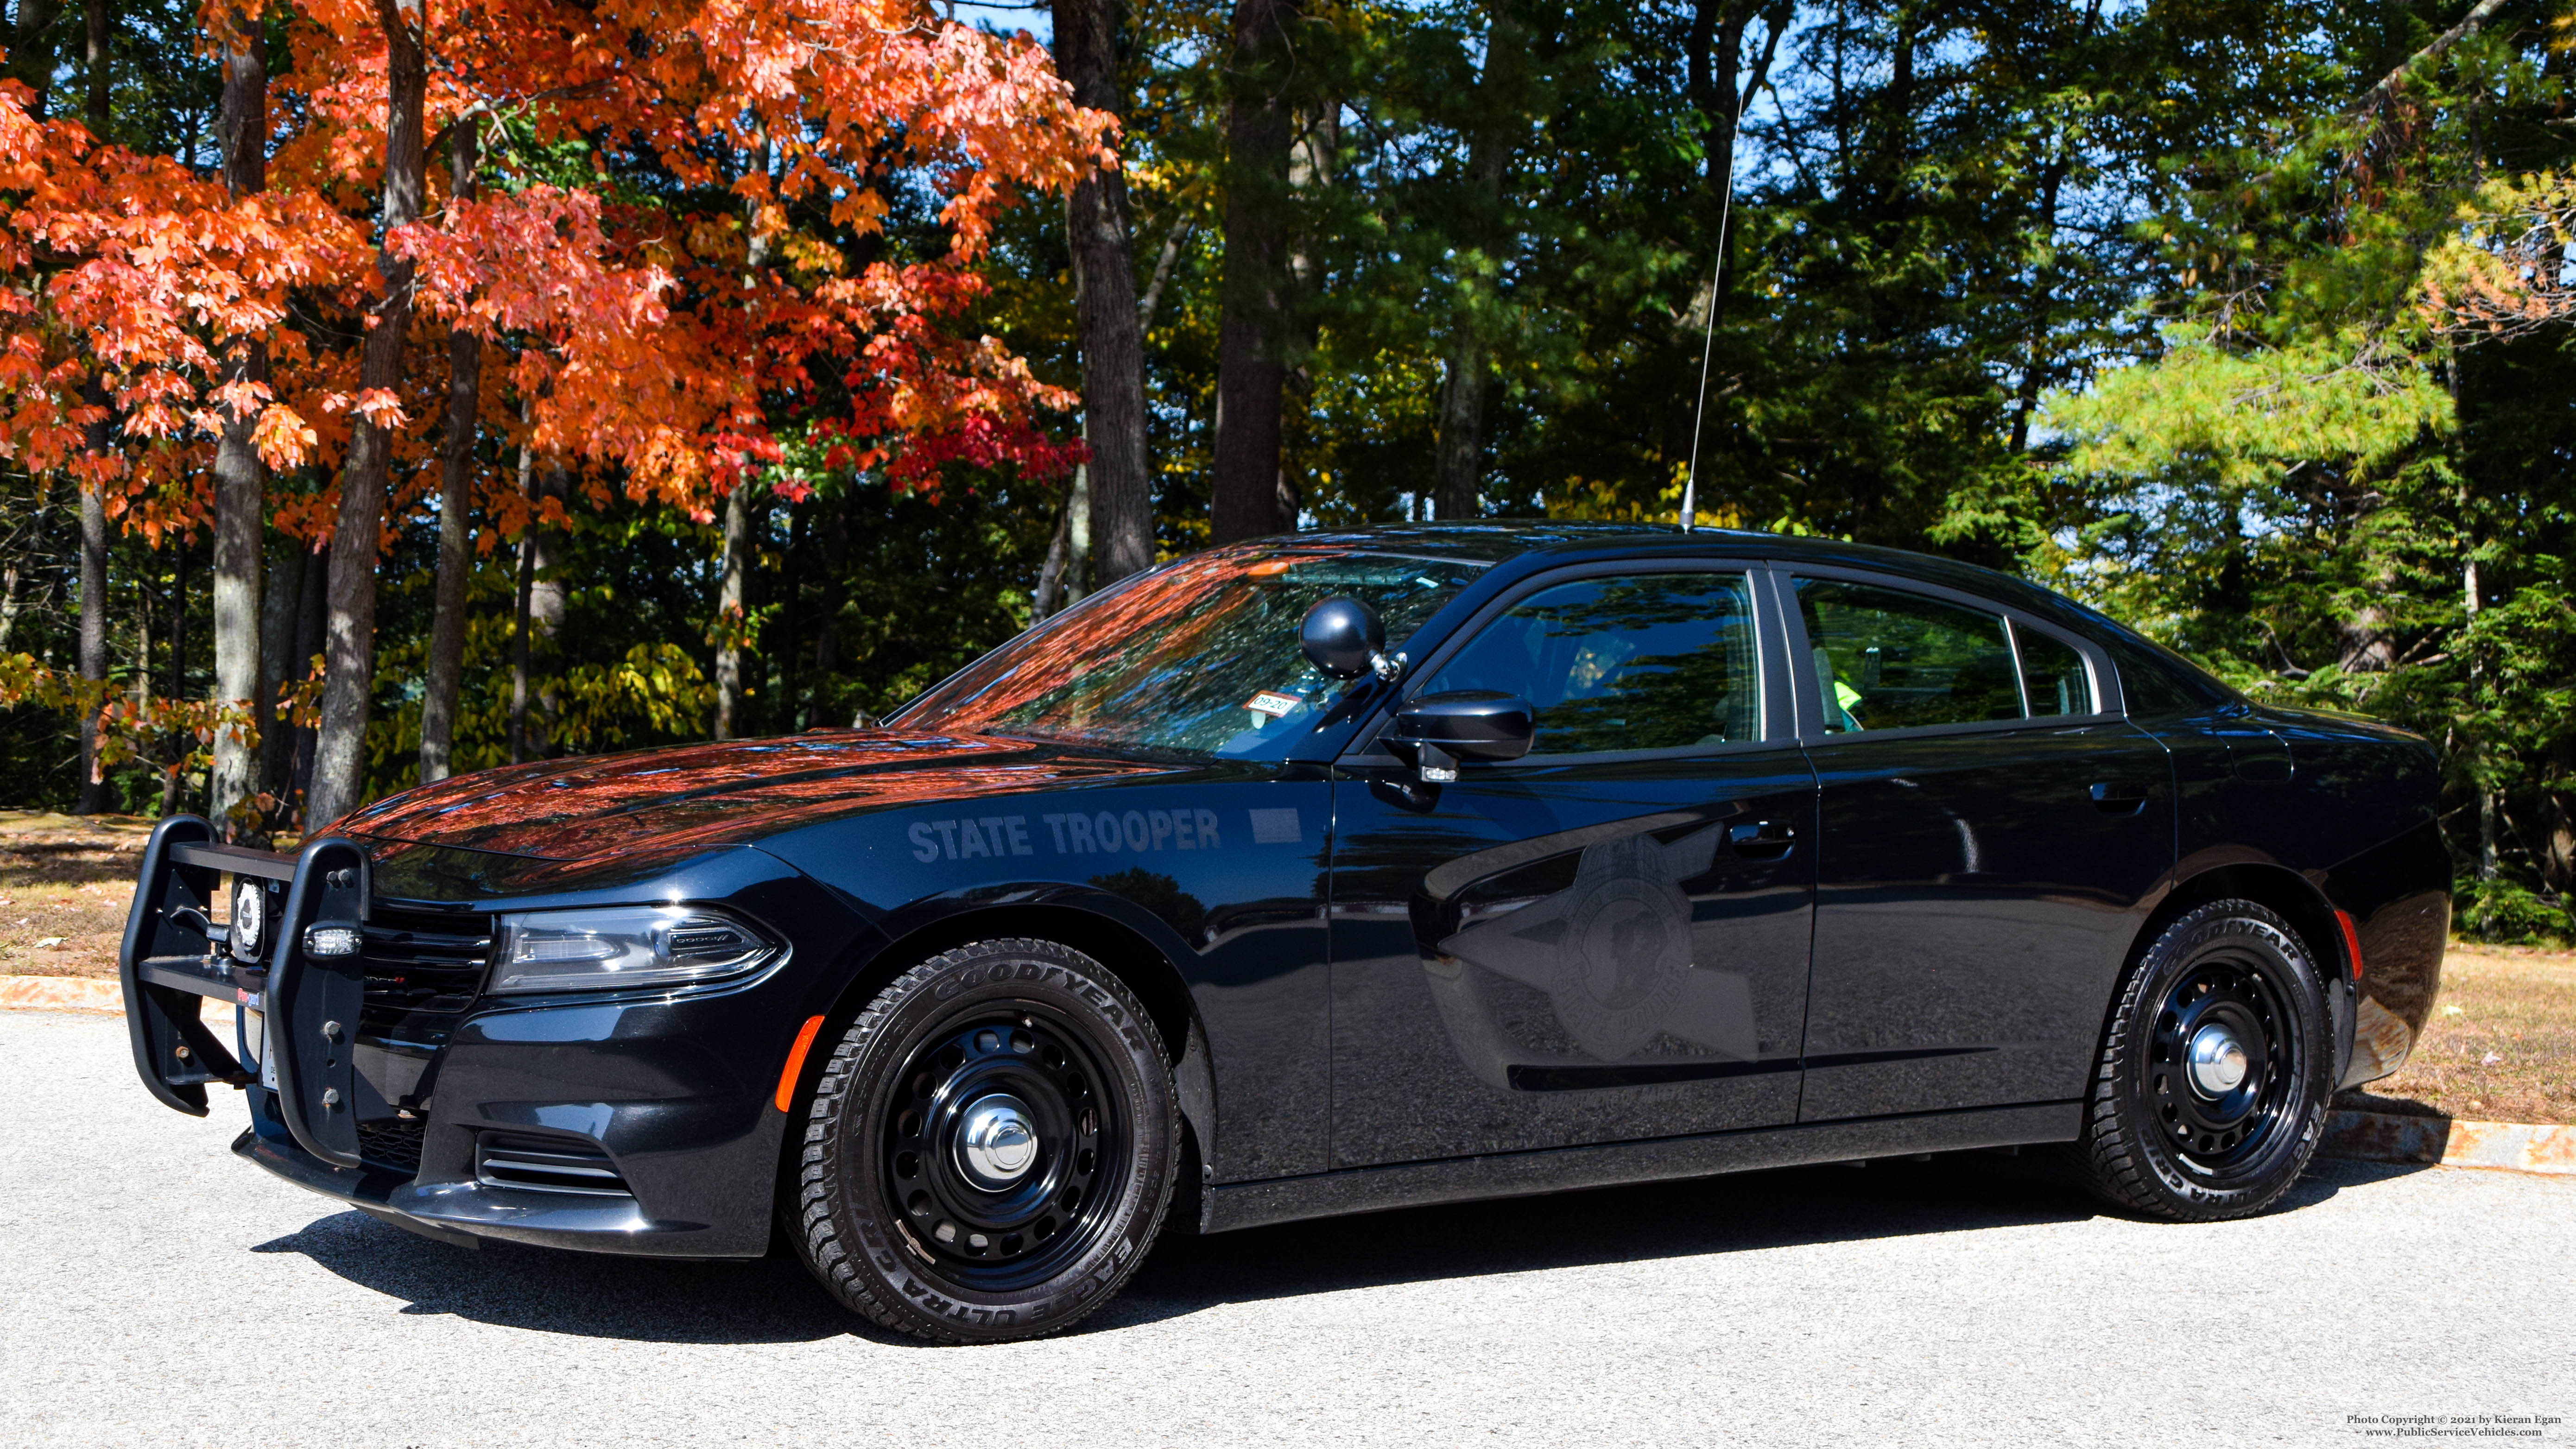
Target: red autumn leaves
[656, 339]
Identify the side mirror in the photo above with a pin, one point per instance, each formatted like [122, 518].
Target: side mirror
[1439, 730]
[1346, 639]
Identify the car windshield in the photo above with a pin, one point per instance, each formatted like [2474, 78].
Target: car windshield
[1198, 657]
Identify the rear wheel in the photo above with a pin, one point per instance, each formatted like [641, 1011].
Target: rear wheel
[991, 1146]
[2211, 1090]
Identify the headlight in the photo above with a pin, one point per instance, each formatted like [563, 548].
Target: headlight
[619, 947]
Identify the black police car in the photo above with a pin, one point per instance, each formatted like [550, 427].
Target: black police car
[1323, 874]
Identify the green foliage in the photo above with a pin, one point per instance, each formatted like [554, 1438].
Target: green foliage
[2135, 299]
[2337, 475]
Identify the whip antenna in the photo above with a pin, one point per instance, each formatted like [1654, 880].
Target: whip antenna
[1708, 335]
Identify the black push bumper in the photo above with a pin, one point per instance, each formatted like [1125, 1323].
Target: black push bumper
[174, 958]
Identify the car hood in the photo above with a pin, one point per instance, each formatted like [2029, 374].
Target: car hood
[728, 793]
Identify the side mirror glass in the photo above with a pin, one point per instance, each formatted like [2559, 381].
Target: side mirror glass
[1438, 731]
[1345, 639]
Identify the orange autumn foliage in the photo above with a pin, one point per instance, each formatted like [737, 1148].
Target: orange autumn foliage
[657, 342]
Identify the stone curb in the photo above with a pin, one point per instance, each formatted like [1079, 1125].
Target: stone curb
[86, 995]
[2508, 1146]
[62, 993]
[2365, 1136]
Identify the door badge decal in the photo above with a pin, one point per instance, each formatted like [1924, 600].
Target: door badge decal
[1613, 953]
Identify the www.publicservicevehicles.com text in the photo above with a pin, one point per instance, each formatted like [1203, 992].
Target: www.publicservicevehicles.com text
[2451, 1426]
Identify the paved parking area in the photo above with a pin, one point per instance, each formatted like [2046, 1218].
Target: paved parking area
[159, 1291]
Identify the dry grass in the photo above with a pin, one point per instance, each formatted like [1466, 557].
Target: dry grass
[2501, 1046]
[65, 882]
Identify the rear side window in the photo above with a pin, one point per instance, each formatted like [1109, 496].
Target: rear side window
[2155, 684]
[1889, 660]
[2053, 674]
[1649, 662]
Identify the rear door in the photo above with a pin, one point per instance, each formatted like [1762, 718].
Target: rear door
[1990, 830]
[1608, 939]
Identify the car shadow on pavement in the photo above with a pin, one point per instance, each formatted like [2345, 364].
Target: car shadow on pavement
[1789, 1207]
[772, 1300]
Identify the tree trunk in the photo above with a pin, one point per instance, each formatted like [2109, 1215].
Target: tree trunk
[93, 606]
[527, 573]
[788, 650]
[455, 503]
[31, 52]
[2558, 856]
[545, 616]
[1098, 228]
[340, 759]
[1458, 466]
[241, 479]
[1060, 579]
[93, 797]
[173, 773]
[26, 557]
[2472, 603]
[1252, 327]
[312, 629]
[519, 653]
[743, 512]
[280, 603]
[1458, 463]
[99, 17]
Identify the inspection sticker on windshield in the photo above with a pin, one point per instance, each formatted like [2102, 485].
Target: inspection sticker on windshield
[1274, 703]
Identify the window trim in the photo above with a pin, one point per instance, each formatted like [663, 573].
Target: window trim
[1779, 722]
[1809, 709]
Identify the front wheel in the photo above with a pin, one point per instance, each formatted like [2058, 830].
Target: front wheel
[2211, 1089]
[990, 1147]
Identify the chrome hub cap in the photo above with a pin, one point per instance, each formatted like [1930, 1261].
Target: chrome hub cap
[2217, 1062]
[996, 1142]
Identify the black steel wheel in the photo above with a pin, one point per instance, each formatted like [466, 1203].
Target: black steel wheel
[2213, 1080]
[990, 1147]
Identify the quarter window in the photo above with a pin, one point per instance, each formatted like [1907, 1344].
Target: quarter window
[2053, 675]
[1888, 660]
[1645, 662]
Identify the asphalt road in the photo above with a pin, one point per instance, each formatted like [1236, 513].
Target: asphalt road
[156, 1290]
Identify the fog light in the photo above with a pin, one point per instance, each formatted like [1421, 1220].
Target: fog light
[331, 941]
[250, 919]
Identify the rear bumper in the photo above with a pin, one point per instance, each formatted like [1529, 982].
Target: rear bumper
[2398, 897]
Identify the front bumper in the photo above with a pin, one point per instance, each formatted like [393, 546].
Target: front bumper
[690, 1142]
[622, 1124]
[463, 1213]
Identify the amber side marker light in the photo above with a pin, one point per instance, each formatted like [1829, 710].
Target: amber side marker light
[796, 1059]
[2351, 951]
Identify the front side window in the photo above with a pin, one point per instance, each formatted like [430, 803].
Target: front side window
[1644, 662]
[1889, 660]
[1200, 657]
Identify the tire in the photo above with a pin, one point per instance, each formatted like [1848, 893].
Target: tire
[990, 1147]
[2166, 1136]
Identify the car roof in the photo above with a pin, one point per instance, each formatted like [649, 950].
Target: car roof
[1498, 541]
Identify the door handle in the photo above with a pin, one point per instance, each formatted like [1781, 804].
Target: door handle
[2119, 798]
[1763, 839]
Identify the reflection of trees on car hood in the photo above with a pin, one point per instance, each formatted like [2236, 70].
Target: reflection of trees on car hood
[717, 794]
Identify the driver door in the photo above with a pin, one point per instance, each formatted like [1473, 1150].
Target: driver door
[1607, 939]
